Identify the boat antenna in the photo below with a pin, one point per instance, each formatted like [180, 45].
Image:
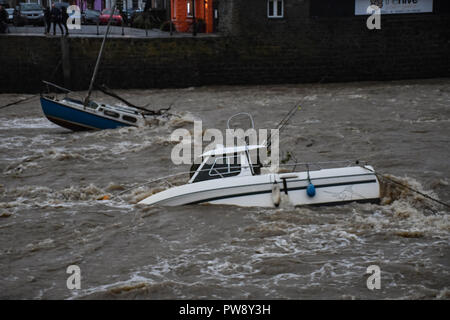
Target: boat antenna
[86, 100]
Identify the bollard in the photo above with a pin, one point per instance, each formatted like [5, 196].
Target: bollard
[123, 33]
[146, 29]
[98, 22]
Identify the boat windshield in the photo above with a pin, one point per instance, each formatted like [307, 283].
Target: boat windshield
[219, 167]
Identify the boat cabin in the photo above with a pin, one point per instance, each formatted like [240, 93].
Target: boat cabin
[226, 162]
[124, 113]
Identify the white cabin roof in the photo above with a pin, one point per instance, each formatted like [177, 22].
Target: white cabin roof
[220, 149]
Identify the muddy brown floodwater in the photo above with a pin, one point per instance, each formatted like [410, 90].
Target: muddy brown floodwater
[51, 180]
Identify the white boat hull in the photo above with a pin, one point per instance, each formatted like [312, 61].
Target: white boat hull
[268, 190]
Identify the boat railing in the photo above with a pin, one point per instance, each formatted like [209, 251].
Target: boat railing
[241, 114]
[321, 165]
[310, 165]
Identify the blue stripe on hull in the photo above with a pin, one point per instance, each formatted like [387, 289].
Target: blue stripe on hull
[87, 120]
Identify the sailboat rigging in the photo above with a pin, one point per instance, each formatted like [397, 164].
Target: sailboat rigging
[78, 115]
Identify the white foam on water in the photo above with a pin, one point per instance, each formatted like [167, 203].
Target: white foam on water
[136, 281]
[42, 244]
[13, 142]
[26, 123]
[444, 294]
[69, 196]
[356, 96]
[309, 121]
[310, 97]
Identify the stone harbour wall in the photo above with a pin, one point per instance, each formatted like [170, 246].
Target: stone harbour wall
[316, 50]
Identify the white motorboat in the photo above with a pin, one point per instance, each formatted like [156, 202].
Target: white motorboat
[227, 176]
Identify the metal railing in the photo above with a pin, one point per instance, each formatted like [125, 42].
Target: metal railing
[96, 29]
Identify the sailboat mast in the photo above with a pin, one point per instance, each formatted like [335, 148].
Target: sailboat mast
[86, 100]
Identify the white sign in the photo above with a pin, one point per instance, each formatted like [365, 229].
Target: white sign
[394, 6]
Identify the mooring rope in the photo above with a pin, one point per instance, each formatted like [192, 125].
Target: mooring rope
[19, 101]
[33, 96]
[385, 177]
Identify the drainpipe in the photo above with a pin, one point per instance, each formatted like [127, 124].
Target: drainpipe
[65, 51]
[194, 21]
[171, 16]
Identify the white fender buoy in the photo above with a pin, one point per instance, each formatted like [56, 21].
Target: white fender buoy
[276, 195]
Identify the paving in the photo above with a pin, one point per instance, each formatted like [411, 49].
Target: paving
[99, 31]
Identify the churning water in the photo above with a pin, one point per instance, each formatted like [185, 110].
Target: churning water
[51, 217]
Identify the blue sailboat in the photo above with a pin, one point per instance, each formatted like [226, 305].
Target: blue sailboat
[80, 115]
[74, 115]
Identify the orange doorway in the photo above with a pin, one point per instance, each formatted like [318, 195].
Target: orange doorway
[183, 15]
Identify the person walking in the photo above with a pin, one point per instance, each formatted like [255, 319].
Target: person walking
[3, 19]
[64, 17]
[47, 20]
[55, 18]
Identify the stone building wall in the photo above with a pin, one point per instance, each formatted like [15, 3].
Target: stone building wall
[303, 47]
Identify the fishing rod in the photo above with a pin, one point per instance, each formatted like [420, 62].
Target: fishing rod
[284, 121]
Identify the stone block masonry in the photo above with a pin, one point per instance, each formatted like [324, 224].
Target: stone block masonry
[320, 50]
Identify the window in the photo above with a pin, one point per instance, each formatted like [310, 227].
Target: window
[218, 167]
[225, 166]
[129, 119]
[111, 113]
[190, 8]
[275, 8]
